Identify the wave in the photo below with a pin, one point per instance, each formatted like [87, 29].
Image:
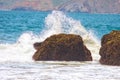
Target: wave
[55, 23]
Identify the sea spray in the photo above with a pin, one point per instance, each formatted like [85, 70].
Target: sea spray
[55, 23]
[20, 51]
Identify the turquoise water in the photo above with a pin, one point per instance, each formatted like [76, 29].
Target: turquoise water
[19, 30]
[14, 23]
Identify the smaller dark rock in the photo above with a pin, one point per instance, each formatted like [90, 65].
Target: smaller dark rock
[110, 49]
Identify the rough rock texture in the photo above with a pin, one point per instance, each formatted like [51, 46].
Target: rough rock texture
[37, 45]
[110, 50]
[63, 47]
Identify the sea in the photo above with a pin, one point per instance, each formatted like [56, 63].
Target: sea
[19, 30]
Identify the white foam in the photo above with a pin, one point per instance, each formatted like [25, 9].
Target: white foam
[22, 50]
[56, 22]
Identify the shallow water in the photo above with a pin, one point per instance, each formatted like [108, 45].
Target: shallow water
[58, 71]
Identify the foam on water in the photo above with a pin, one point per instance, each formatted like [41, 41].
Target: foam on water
[55, 23]
[58, 71]
[20, 51]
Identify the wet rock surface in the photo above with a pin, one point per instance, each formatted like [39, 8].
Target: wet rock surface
[62, 47]
[110, 49]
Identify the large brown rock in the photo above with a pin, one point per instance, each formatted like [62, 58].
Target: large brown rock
[110, 49]
[62, 47]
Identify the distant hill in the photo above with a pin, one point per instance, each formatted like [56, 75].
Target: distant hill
[90, 6]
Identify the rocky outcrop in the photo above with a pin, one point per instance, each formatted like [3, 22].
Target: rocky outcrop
[110, 50]
[62, 47]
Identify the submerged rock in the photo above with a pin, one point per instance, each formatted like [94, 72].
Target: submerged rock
[63, 47]
[110, 50]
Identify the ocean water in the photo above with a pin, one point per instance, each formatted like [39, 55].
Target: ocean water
[20, 29]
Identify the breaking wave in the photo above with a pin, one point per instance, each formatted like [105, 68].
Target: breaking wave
[55, 23]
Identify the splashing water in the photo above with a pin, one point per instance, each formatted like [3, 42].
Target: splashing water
[58, 22]
[55, 23]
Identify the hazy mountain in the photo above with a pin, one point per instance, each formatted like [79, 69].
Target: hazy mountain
[91, 6]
